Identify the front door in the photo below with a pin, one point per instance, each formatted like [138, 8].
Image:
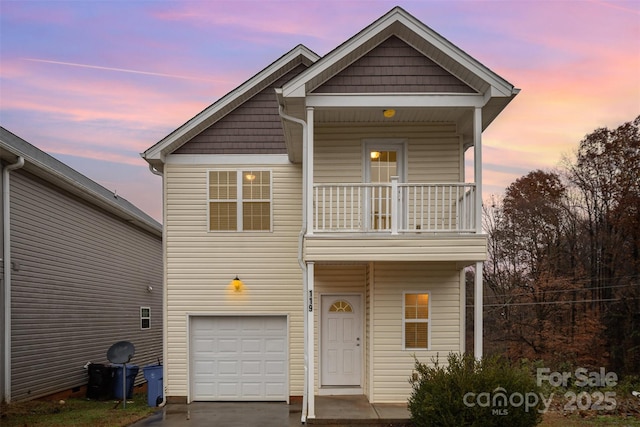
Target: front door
[341, 359]
[383, 160]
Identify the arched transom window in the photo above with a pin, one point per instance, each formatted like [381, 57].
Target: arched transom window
[340, 307]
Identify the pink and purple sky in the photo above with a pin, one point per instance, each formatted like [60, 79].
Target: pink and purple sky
[94, 83]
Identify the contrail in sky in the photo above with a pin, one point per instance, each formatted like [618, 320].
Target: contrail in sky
[122, 70]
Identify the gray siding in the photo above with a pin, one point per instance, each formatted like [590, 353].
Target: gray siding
[394, 67]
[252, 128]
[80, 279]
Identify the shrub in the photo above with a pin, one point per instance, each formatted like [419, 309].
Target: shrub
[467, 392]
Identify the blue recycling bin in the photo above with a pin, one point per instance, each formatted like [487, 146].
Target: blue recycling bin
[132, 371]
[153, 375]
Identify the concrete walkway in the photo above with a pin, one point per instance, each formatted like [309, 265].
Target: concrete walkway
[331, 411]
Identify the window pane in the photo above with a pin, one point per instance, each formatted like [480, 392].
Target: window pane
[256, 216]
[416, 335]
[411, 299]
[144, 312]
[256, 185]
[423, 312]
[223, 216]
[223, 185]
[410, 312]
[145, 323]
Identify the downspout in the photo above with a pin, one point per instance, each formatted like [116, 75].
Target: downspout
[164, 297]
[6, 223]
[301, 262]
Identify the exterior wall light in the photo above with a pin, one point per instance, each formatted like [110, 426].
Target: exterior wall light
[236, 284]
[389, 113]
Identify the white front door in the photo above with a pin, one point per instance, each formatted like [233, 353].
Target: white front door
[341, 358]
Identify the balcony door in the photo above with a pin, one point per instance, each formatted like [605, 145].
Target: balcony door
[383, 159]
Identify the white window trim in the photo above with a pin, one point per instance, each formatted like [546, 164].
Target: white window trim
[239, 200]
[145, 317]
[427, 321]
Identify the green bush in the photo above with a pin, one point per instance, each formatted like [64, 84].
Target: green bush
[467, 392]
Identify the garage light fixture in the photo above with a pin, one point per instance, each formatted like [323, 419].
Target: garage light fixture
[236, 284]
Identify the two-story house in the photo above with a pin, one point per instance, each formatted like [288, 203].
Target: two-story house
[333, 188]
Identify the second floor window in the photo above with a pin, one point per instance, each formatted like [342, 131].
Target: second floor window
[239, 200]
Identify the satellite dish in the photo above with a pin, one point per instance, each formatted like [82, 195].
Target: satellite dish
[121, 352]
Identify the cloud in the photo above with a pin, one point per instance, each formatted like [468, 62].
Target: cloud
[122, 70]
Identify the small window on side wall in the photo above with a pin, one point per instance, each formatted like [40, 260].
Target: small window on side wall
[145, 317]
[416, 321]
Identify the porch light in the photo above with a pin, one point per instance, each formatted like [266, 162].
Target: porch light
[389, 113]
[236, 284]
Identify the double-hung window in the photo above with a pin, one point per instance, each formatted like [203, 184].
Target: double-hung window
[239, 200]
[145, 317]
[416, 321]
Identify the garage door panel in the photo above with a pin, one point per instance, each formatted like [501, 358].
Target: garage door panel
[252, 345]
[274, 368]
[239, 358]
[274, 346]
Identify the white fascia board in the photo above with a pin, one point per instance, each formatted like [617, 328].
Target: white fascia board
[397, 100]
[157, 151]
[227, 159]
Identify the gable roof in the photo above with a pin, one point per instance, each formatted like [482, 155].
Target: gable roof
[62, 176]
[482, 87]
[400, 23]
[298, 55]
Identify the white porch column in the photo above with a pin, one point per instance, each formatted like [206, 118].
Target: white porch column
[477, 313]
[477, 294]
[477, 165]
[311, 405]
[309, 171]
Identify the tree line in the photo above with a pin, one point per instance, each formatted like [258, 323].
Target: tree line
[562, 281]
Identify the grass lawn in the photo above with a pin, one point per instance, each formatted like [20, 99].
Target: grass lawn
[75, 412]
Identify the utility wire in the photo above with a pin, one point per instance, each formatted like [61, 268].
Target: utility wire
[555, 302]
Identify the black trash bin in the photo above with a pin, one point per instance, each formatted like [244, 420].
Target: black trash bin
[100, 381]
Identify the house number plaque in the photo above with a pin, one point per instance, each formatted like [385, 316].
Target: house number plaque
[310, 300]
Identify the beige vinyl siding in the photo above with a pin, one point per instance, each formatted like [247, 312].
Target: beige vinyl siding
[434, 151]
[200, 265]
[336, 279]
[392, 366]
[80, 277]
[350, 247]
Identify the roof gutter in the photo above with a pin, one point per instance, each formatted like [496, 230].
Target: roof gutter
[301, 262]
[6, 223]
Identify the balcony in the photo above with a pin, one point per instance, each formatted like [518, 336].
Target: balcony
[394, 208]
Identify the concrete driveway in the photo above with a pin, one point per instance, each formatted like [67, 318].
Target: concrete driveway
[330, 410]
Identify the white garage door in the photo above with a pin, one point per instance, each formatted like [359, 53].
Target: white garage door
[239, 358]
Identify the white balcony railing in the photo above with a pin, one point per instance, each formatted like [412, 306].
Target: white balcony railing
[394, 208]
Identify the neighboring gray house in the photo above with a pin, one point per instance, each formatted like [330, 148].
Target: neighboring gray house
[81, 269]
